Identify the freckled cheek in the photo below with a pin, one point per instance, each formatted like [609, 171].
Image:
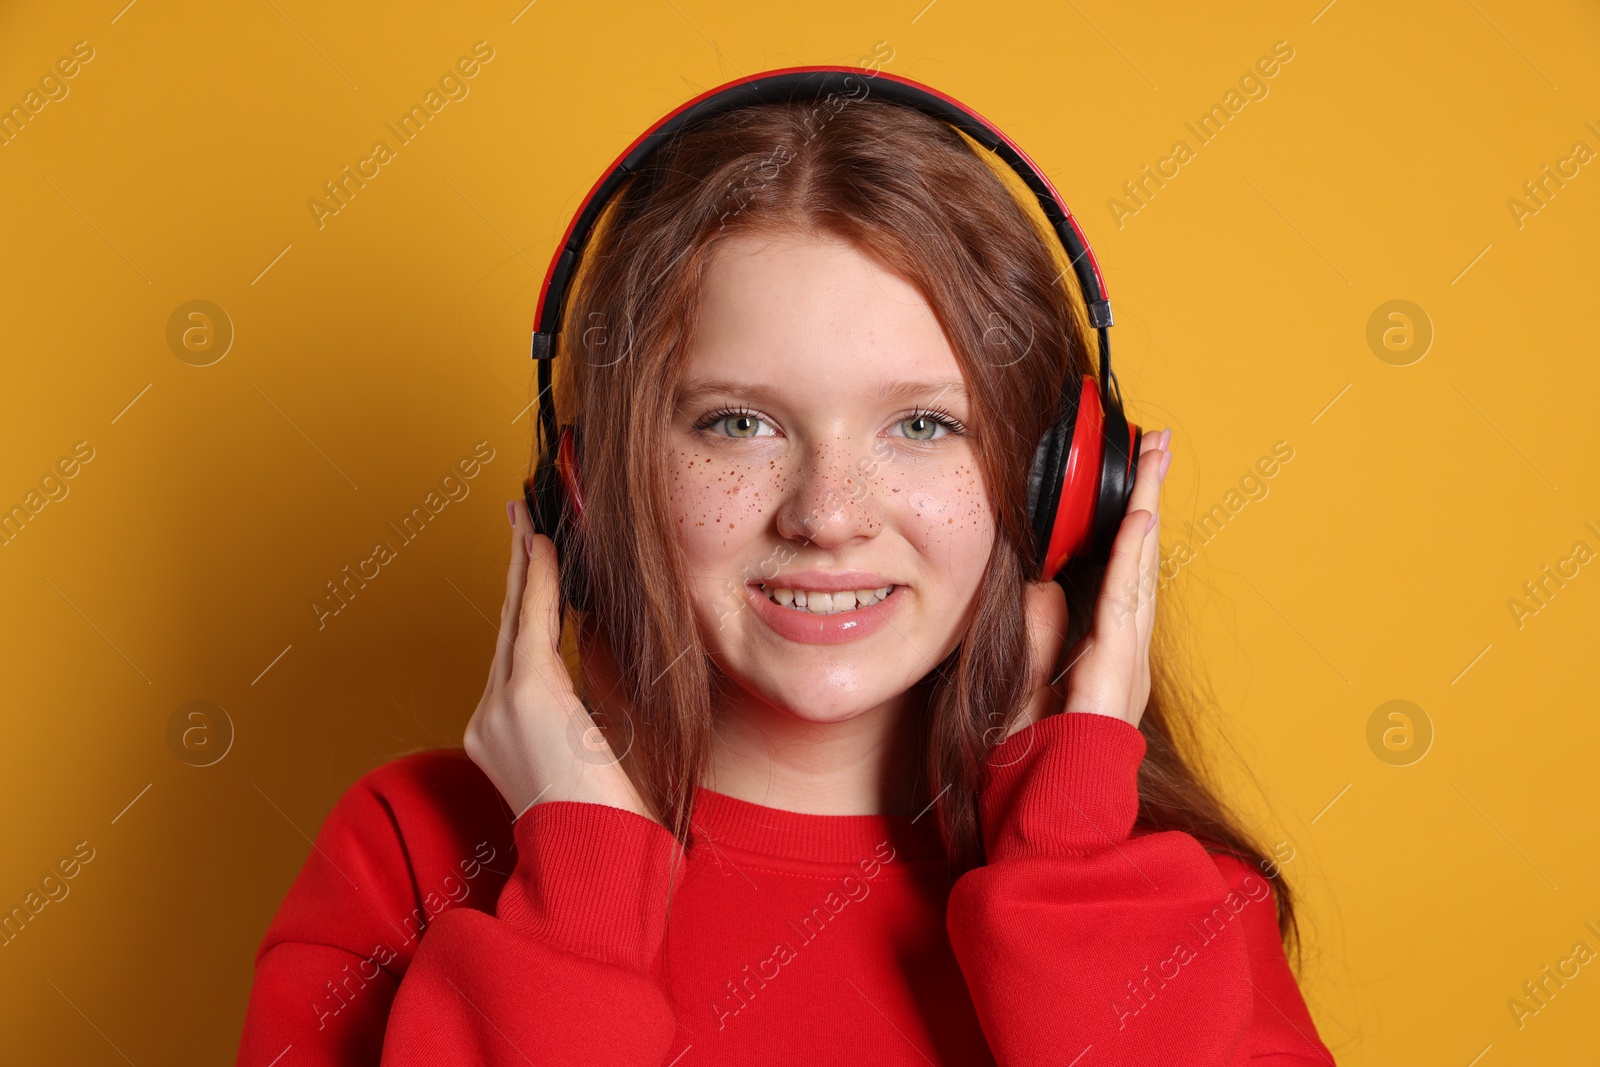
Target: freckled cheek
[715, 505]
[717, 509]
[939, 521]
[947, 520]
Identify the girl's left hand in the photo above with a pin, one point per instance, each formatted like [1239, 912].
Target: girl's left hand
[1108, 672]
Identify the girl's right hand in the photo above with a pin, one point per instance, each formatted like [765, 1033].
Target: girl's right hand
[531, 735]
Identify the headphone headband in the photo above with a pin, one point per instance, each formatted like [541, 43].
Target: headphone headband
[796, 84]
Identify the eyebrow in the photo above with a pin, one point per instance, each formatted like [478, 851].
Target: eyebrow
[695, 390]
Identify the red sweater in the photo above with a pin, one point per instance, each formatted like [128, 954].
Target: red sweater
[426, 928]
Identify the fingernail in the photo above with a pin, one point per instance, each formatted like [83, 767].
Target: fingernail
[1166, 436]
[1166, 461]
[527, 544]
[511, 513]
[1151, 525]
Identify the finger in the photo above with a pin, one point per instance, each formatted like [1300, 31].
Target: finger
[1145, 617]
[1153, 458]
[535, 648]
[1147, 475]
[1102, 678]
[1150, 556]
[516, 569]
[1119, 590]
[1150, 441]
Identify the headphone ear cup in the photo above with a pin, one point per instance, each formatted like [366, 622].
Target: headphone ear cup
[1064, 481]
[543, 497]
[1091, 473]
[1044, 488]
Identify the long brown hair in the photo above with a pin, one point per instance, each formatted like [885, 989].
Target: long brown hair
[921, 197]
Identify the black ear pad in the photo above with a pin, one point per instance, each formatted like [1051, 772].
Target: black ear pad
[1118, 467]
[554, 516]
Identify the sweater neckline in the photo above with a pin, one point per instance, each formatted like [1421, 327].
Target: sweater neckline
[726, 821]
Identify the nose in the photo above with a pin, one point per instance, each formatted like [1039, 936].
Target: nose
[830, 502]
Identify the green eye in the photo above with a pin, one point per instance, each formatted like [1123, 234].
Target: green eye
[924, 425]
[739, 423]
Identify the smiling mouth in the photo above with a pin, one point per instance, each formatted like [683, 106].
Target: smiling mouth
[816, 602]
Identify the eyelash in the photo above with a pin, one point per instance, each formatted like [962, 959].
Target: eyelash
[938, 415]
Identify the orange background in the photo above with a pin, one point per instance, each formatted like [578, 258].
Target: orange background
[372, 353]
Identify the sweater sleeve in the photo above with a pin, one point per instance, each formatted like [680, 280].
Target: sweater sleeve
[400, 847]
[565, 970]
[1077, 936]
[331, 959]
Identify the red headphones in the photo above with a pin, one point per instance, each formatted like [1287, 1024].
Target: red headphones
[1083, 469]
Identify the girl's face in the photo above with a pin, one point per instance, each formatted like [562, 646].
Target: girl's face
[820, 443]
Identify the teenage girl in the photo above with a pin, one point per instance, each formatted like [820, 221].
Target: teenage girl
[838, 782]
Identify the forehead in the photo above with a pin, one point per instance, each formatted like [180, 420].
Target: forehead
[816, 313]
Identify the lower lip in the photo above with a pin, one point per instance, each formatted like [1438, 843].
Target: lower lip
[834, 629]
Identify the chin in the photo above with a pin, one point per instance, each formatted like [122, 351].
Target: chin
[837, 686]
[817, 700]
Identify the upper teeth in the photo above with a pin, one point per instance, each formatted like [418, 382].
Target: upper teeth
[820, 603]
